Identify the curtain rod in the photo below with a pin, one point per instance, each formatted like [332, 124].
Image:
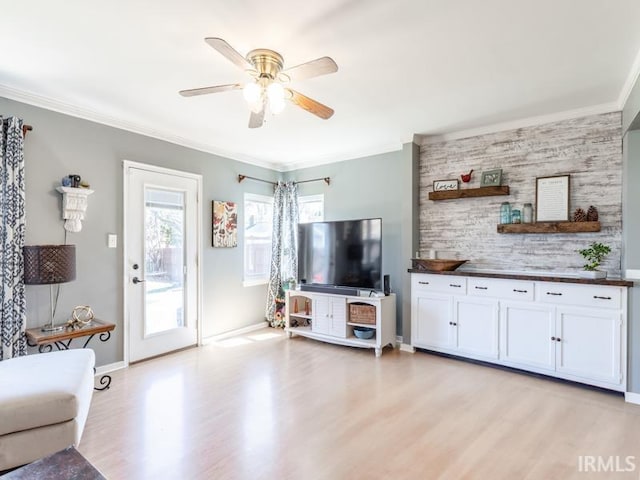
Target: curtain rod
[26, 128]
[327, 180]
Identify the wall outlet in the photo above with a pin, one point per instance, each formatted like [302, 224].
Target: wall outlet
[112, 240]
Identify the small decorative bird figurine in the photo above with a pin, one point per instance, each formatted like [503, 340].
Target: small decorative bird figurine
[466, 177]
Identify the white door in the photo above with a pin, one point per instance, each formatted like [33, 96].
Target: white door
[433, 324]
[528, 333]
[338, 318]
[321, 312]
[162, 232]
[476, 326]
[588, 343]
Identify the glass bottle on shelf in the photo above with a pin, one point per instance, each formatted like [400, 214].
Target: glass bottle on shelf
[515, 216]
[527, 213]
[505, 213]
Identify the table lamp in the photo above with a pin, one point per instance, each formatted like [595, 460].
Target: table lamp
[49, 265]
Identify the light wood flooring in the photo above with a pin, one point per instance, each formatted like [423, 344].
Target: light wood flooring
[261, 406]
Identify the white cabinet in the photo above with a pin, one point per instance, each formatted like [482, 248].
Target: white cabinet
[325, 317]
[475, 326]
[450, 323]
[588, 344]
[525, 336]
[568, 330]
[432, 316]
[329, 315]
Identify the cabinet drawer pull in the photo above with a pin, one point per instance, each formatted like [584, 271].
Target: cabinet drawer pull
[519, 291]
[553, 339]
[558, 339]
[450, 323]
[481, 288]
[423, 283]
[601, 298]
[454, 285]
[554, 294]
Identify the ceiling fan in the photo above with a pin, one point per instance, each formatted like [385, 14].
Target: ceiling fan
[268, 89]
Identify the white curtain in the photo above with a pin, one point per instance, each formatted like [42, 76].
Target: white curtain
[284, 249]
[12, 225]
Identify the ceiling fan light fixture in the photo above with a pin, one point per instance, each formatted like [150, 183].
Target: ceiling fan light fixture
[254, 95]
[275, 95]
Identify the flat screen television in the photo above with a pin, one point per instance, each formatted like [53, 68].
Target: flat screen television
[341, 254]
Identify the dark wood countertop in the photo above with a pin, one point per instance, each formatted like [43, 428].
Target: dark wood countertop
[613, 282]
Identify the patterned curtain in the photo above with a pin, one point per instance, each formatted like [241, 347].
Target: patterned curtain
[12, 225]
[284, 249]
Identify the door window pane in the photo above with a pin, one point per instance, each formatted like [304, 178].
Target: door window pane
[164, 260]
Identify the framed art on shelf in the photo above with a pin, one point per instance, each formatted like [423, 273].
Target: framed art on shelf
[224, 224]
[552, 199]
[491, 178]
[444, 185]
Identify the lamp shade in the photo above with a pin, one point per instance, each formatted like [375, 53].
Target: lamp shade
[46, 264]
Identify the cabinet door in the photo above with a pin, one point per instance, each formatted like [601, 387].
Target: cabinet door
[338, 317]
[589, 344]
[432, 319]
[476, 326]
[525, 335]
[321, 312]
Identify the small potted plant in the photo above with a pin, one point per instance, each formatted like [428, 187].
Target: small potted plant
[594, 255]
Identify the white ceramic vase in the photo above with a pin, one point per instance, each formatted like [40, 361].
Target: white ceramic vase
[593, 274]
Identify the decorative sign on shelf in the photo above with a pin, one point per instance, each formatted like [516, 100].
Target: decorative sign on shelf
[552, 199]
[444, 185]
[491, 178]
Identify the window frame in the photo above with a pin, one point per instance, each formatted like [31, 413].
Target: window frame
[309, 199]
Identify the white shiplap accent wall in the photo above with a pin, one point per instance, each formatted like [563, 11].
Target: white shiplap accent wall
[588, 148]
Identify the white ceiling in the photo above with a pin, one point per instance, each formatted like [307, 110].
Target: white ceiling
[405, 67]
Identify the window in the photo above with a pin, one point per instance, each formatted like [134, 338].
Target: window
[311, 208]
[258, 221]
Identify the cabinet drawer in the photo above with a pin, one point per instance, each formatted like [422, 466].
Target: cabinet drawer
[582, 295]
[505, 289]
[438, 283]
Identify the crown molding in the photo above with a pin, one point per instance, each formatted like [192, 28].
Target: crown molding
[94, 116]
[379, 149]
[632, 78]
[522, 122]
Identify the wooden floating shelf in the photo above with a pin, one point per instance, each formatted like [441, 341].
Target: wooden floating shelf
[469, 193]
[550, 227]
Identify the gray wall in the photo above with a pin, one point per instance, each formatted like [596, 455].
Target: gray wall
[631, 225]
[59, 145]
[631, 256]
[588, 148]
[375, 186]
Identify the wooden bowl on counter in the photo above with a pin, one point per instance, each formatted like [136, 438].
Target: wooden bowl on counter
[436, 265]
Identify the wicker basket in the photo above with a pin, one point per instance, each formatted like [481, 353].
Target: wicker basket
[362, 313]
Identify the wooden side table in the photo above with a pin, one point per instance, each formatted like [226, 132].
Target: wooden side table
[45, 341]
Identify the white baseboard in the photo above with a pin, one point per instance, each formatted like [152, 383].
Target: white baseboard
[405, 347]
[233, 333]
[111, 367]
[631, 397]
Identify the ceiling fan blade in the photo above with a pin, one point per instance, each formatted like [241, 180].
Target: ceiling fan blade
[228, 52]
[310, 105]
[314, 68]
[205, 90]
[256, 120]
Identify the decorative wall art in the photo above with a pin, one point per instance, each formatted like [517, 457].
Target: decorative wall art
[552, 199]
[491, 178]
[444, 185]
[225, 224]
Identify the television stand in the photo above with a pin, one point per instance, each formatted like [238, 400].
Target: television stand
[332, 318]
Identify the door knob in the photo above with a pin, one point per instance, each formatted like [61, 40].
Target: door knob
[136, 280]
